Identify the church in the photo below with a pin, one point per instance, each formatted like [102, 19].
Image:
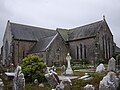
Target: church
[91, 42]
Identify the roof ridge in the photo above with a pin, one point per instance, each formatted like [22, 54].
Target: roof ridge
[87, 24]
[31, 26]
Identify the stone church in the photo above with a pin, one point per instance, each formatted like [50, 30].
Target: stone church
[90, 42]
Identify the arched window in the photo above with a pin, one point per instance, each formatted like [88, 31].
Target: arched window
[6, 49]
[81, 51]
[77, 52]
[85, 51]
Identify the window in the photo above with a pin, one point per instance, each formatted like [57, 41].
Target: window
[85, 51]
[77, 52]
[6, 49]
[81, 51]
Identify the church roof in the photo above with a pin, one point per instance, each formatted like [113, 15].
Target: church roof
[43, 44]
[63, 33]
[25, 32]
[85, 31]
[117, 49]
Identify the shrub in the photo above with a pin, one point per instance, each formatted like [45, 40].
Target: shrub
[32, 67]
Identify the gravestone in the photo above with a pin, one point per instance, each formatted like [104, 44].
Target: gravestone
[52, 79]
[100, 68]
[1, 84]
[19, 80]
[36, 81]
[112, 65]
[69, 69]
[63, 70]
[89, 87]
[55, 83]
[109, 82]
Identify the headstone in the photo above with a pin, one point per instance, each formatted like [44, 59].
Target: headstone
[67, 83]
[1, 84]
[53, 68]
[63, 70]
[109, 82]
[100, 68]
[51, 78]
[41, 85]
[36, 81]
[69, 69]
[112, 65]
[85, 76]
[89, 87]
[55, 82]
[19, 80]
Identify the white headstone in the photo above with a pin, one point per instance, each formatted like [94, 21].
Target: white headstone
[100, 68]
[1, 84]
[69, 69]
[112, 64]
[89, 87]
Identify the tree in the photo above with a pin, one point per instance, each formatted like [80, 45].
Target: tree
[32, 67]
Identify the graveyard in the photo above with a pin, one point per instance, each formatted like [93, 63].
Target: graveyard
[67, 77]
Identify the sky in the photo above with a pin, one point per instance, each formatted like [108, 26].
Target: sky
[66, 14]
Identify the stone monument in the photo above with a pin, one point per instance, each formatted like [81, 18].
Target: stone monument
[56, 83]
[89, 87]
[112, 65]
[69, 69]
[1, 84]
[63, 70]
[100, 68]
[19, 80]
[109, 82]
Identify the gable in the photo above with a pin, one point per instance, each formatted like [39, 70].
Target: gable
[63, 33]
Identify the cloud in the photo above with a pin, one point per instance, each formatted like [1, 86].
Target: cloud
[60, 13]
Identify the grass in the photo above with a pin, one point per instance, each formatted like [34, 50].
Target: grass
[76, 84]
[29, 86]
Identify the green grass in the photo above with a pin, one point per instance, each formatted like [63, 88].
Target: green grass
[76, 84]
[29, 86]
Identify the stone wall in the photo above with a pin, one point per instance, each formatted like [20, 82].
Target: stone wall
[105, 43]
[56, 53]
[82, 49]
[7, 40]
[21, 49]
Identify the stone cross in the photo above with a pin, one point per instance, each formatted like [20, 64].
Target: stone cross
[69, 69]
[112, 65]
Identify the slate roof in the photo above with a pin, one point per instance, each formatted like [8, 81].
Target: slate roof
[43, 44]
[63, 33]
[85, 31]
[25, 32]
[117, 49]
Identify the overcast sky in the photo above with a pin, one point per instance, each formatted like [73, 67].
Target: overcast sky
[60, 14]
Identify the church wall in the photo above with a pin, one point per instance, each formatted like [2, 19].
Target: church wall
[106, 43]
[88, 43]
[7, 40]
[21, 50]
[56, 53]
